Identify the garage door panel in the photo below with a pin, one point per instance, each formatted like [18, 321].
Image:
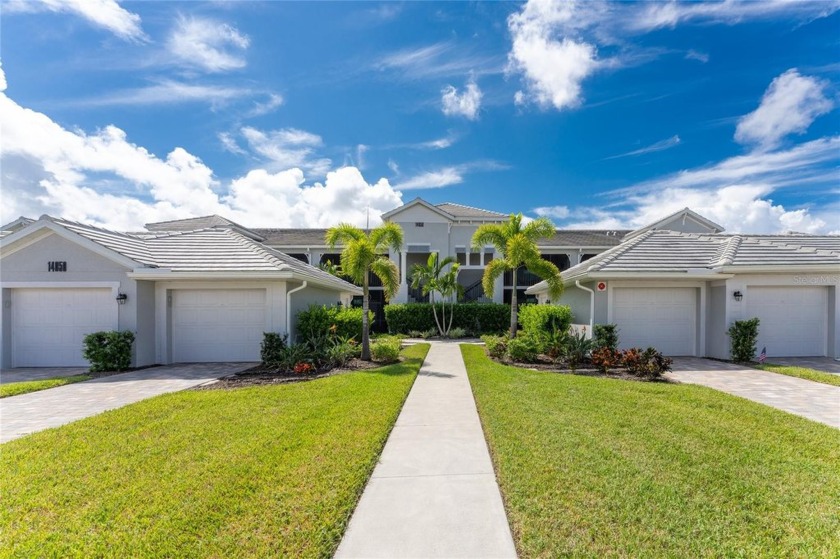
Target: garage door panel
[49, 324]
[664, 318]
[217, 324]
[793, 321]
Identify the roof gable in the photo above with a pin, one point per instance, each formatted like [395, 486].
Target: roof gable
[417, 202]
[685, 221]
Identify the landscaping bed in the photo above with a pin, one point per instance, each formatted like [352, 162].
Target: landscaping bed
[591, 468]
[261, 375]
[547, 364]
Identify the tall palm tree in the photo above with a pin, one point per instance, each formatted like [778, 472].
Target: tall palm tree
[364, 253]
[432, 279]
[517, 245]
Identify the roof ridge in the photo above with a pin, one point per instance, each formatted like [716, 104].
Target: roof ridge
[469, 207]
[599, 260]
[189, 219]
[254, 246]
[730, 249]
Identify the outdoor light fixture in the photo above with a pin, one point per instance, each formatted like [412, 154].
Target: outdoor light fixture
[738, 295]
[122, 298]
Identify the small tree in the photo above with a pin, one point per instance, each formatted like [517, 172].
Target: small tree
[743, 335]
[518, 246]
[432, 279]
[363, 254]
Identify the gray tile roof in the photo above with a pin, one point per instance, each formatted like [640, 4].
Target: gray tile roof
[666, 251]
[192, 224]
[204, 250]
[584, 238]
[292, 237]
[459, 210]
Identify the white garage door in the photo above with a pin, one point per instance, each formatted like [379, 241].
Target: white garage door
[662, 317]
[48, 325]
[217, 325]
[793, 320]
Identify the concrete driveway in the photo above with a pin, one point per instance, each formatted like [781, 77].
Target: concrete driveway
[825, 364]
[38, 373]
[815, 401]
[36, 411]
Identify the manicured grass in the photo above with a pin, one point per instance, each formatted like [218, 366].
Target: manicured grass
[598, 467]
[23, 387]
[254, 472]
[802, 372]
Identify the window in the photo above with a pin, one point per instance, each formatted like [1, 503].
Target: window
[300, 256]
[461, 255]
[488, 255]
[475, 258]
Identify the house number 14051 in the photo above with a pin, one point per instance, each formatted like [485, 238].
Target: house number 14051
[56, 266]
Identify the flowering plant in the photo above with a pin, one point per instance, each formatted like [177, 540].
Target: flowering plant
[303, 368]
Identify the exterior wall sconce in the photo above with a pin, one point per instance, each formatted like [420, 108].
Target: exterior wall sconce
[122, 298]
[738, 295]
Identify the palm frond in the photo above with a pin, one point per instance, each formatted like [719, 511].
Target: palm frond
[388, 273]
[342, 234]
[490, 234]
[387, 237]
[493, 270]
[539, 228]
[549, 272]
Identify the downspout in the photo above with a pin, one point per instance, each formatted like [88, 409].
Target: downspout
[591, 305]
[289, 305]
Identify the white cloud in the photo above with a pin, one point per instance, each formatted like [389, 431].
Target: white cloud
[735, 192]
[661, 145]
[556, 212]
[789, 106]
[107, 14]
[105, 179]
[286, 148]
[2, 78]
[167, 92]
[230, 144]
[655, 15]
[697, 55]
[552, 68]
[437, 61]
[449, 175]
[466, 104]
[266, 107]
[206, 44]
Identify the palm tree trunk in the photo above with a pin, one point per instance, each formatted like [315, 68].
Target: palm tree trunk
[365, 320]
[451, 316]
[514, 310]
[434, 311]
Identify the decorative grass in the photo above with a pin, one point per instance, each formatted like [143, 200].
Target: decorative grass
[254, 472]
[24, 387]
[802, 372]
[594, 467]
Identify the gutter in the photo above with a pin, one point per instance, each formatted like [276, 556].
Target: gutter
[591, 306]
[289, 305]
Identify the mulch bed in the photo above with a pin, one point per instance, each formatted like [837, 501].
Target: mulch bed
[544, 363]
[261, 376]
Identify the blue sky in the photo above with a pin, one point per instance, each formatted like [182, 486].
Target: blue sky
[595, 114]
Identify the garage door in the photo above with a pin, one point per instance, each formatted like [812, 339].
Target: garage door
[664, 318]
[48, 325]
[217, 325]
[793, 320]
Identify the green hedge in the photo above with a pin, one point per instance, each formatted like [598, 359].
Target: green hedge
[475, 318]
[318, 321]
[109, 350]
[542, 319]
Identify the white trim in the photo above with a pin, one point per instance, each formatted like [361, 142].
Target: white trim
[113, 285]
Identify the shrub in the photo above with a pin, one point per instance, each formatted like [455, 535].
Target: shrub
[303, 368]
[542, 319]
[108, 350]
[648, 363]
[385, 349]
[524, 348]
[743, 335]
[605, 335]
[554, 343]
[338, 321]
[272, 348]
[576, 349]
[475, 318]
[496, 345]
[605, 358]
[457, 333]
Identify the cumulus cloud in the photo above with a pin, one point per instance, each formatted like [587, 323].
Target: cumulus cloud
[736, 192]
[466, 104]
[107, 14]
[789, 106]
[552, 62]
[103, 178]
[208, 45]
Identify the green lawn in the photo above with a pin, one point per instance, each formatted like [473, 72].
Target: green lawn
[594, 467]
[252, 472]
[15, 388]
[802, 372]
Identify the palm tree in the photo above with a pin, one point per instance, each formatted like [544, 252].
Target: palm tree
[364, 253]
[433, 280]
[518, 247]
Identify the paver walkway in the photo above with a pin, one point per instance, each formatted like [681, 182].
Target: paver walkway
[36, 411]
[816, 401]
[433, 493]
[825, 364]
[39, 373]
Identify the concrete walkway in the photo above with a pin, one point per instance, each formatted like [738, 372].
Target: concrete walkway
[433, 493]
[816, 401]
[36, 411]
